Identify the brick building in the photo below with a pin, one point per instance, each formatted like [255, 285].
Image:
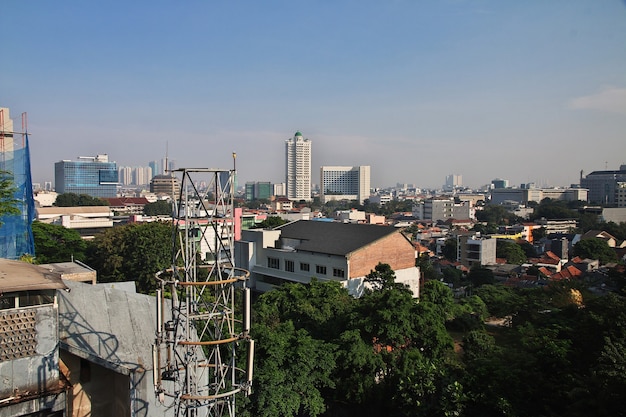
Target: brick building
[328, 251]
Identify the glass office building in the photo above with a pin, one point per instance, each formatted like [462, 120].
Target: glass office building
[94, 176]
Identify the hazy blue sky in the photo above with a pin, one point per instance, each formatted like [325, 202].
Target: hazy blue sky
[522, 90]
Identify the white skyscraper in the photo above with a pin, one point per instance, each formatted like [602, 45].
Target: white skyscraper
[298, 168]
[345, 183]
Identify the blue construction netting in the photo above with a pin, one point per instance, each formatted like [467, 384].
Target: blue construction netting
[16, 233]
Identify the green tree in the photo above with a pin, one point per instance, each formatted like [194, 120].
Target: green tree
[133, 252]
[595, 248]
[501, 301]
[158, 208]
[553, 209]
[55, 243]
[292, 370]
[480, 276]
[449, 250]
[76, 200]
[8, 202]
[496, 215]
[271, 222]
[511, 251]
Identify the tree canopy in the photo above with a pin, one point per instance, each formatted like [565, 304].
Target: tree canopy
[75, 200]
[133, 252]
[55, 243]
[511, 251]
[595, 248]
[159, 207]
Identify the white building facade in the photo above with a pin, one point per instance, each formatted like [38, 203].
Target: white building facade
[344, 183]
[298, 168]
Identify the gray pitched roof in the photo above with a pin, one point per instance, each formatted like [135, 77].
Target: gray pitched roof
[333, 238]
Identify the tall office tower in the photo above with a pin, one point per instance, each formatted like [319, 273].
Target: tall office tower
[453, 181]
[345, 183]
[91, 175]
[298, 168]
[125, 175]
[156, 167]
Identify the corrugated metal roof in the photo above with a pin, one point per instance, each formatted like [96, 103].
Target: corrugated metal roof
[21, 276]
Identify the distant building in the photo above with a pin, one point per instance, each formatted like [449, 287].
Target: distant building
[474, 250]
[258, 191]
[443, 208]
[94, 176]
[453, 181]
[165, 185]
[525, 195]
[298, 168]
[279, 189]
[499, 183]
[344, 183]
[604, 186]
[86, 220]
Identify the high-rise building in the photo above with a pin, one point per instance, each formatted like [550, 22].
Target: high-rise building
[93, 175]
[125, 175]
[453, 181]
[298, 168]
[157, 167]
[345, 183]
[142, 175]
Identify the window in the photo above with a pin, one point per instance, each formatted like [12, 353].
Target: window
[289, 266]
[304, 266]
[319, 269]
[338, 272]
[273, 263]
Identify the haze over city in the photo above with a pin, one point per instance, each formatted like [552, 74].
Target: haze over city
[527, 91]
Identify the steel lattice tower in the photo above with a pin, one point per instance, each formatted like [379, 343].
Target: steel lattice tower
[203, 354]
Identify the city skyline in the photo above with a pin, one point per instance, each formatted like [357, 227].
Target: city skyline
[530, 92]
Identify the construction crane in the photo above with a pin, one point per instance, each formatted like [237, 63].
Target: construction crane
[203, 354]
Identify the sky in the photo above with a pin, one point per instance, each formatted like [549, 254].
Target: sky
[529, 91]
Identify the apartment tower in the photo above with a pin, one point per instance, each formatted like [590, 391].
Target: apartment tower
[298, 168]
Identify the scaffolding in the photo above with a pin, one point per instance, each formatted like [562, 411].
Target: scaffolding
[16, 235]
[203, 354]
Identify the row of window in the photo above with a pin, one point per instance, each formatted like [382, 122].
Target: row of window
[274, 263]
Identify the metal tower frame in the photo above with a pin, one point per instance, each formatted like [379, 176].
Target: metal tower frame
[203, 354]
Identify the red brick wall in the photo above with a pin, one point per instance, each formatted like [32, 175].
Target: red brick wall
[394, 250]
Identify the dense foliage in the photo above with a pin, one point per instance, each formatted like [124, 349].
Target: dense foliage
[158, 208]
[75, 200]
[595, 249]
[133, 252]
[559, 352]
[54, 243]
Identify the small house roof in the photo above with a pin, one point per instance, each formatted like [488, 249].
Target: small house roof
[21, 276]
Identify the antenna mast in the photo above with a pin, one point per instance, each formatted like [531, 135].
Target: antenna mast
[203, 354]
